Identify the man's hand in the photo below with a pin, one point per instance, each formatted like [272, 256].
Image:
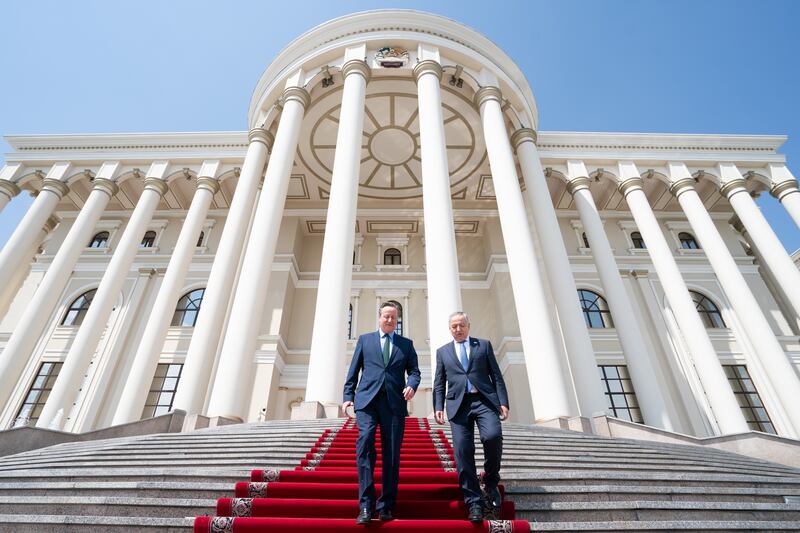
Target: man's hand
[503, 412]
[439, 417]
[345, 405]
[408, 393]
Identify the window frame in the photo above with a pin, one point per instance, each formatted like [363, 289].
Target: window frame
[630, 411]
[183, 311]
[604, 312]
[80, 310]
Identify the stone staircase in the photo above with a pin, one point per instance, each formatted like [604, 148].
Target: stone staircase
[562, 480]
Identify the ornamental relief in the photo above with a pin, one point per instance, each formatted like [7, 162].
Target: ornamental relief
[391, 159]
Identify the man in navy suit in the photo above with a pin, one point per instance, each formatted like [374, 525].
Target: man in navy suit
[476, 393]
[383, 358]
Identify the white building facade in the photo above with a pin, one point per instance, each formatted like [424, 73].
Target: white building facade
[395, 155]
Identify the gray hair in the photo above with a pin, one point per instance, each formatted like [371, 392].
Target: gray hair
[461, 314]
[385, 305]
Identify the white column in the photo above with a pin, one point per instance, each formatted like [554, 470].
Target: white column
[546, 376]
[16, 251]
[235, 374]
[134, 394]
[723, 404]
[588, 385]
[441, 257]
[758, 330]
[326, 362]
[778, 261]
[784, 188]
[65, 391]
[8, 190]
[199, 362]
[639, 358]
[788, 194]
[38, 311]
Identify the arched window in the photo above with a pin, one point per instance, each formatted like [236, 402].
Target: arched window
[595, 309]
[148, 239]
[688, 241]
[200, 239]
[399, 328]
[709, 312]
[100, 240]
[188, 308]
[350, 322]
[77, 309]
[391, 256]
[637, 240]
[585, 240]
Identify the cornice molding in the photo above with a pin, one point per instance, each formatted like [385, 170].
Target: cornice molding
[551, 145]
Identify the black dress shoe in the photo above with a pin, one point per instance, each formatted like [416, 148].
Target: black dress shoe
[494, 498]
[385, 515]
[364, 516]
[475, 513]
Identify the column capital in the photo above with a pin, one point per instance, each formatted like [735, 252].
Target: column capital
[631, 184]
[260, 135]
[57, 187]
[578, 184]
[209, 184]
[298, 94]
[427, 66]
[105, 185]
[51, 223]
[523, 135]
[9, 188]
[779, 190]
[681, 186]
[488, 93]
[732, 187]
[156, 184]
[358, 66]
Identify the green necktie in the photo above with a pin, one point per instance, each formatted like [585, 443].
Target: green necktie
[386, 349]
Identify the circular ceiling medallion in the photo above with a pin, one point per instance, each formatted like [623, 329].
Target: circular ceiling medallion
[391, 146]
[391, 159]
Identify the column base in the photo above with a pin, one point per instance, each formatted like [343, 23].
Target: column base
[196, 421]
[316, 410]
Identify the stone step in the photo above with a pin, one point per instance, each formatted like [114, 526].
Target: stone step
[107, 506]
[152, 489]
[621, 511]
[28, 523]
[578, 493]
[669, 525]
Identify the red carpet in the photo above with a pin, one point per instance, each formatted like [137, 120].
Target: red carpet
[321, 494]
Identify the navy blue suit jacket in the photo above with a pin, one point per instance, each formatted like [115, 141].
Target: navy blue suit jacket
[483, 371]
[368, 360]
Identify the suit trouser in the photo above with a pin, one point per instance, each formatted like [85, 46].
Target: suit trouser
[476, 410]
[378, 413]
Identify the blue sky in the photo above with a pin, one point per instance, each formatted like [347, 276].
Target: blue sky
[672, 66]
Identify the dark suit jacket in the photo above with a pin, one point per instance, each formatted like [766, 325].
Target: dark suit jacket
[368, 359]
[483, 372]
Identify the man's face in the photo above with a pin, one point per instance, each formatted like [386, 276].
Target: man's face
[388, 319]
[459, 328]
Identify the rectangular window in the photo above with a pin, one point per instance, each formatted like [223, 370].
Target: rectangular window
[162, 390]
[749, 401]
[37, 395]
[619, 393]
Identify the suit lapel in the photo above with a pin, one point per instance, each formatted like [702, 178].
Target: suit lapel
[452, 349]
[395, 350]
[473, 352]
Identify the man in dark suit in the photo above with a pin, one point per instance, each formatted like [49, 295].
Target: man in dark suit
[383, 358]
[476, 393]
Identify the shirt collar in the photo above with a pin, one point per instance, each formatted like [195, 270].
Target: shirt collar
[381, 334]
[465, 340]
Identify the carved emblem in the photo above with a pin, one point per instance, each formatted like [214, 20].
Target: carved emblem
[392, 57]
